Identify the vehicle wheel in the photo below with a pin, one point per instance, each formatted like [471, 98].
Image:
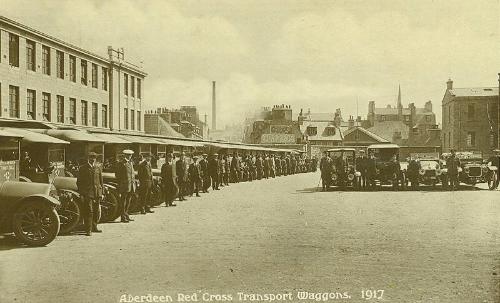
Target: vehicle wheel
[69, 211]
[36, 223]
[116, 214]
[109, 207]
[156, 195]
[493, 180]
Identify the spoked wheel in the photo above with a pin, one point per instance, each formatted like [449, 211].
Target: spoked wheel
[69, 211]
[36, 223]
[493, 180]
[156, 195]
[109, 207]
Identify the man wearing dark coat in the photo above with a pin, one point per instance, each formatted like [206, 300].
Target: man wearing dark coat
[182, 178]
[205, 175]
[195, 175]
[452, 164]
[145, 176]
[371, 170]
[235, 168]
[125, 177]
[169, 181]
[90, 184]
[325, 167]
[213, 170]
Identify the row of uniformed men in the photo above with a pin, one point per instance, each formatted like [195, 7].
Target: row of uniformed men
[180, 177]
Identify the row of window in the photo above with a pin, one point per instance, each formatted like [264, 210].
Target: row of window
[470, 140]
[60, 67]
[47, 115]
[132, 86]
[471, 112]
[132, 119]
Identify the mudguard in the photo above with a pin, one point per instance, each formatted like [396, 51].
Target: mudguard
[41, 198]
[68, 183]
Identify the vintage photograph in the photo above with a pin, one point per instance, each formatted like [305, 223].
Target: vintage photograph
[249, 151]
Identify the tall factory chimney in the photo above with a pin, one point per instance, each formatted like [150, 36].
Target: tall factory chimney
[214, 108]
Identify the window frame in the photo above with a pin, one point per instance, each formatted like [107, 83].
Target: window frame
[14, 100]
[31, 104]
[59, 64]
[46, 105]
[13, 50]
[46, 60]
[31, 55]
[84, 72]
[84, 106]
[60, 109]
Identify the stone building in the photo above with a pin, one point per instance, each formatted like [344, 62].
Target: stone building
[470, 117]
[172, 122]
[47, 80]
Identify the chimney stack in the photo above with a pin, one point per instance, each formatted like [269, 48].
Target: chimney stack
[214, 108]
[449, 84]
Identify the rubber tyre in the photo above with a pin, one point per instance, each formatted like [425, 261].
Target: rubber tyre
[493, 180]
[44, 222]
[69, 211]
[109, 207]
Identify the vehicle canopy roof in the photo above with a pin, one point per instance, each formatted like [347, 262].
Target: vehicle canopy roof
[342, 149]
[34, 137]
[7, 134]
[383, 146]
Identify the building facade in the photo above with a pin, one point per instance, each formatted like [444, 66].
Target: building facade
[470, 119]
[48, 80]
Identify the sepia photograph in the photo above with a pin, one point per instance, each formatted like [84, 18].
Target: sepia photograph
[273, 151]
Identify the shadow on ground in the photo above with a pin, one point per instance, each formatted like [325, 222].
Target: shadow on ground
[318, 189]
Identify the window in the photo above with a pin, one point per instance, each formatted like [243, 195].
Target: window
[312, 131]
[125, 118]
[72, 110]
[449, 114]
[125, 84]
[94, 114]
[60, 64]
[94, 75]
[132, 86]
[104, 78]
[139, 88]
[83, 65]
[46, 60]
[132, 120]
[471, 111]
[30, 55]
[72, 68]
[471, 139]
[138, 120]
[427, 118]
[104, 110]
[382, 118]
[31, 104]
[13, 101]
[492, 139]
[46, 106]
[60, 109]
[444, 140]
[449, 139]
[14, 50]
[85, 109]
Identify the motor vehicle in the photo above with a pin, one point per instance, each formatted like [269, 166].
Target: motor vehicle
[429, 169]
[345, 175]
[473, 169]
[27, 210]
[493, 165]
[387, 166]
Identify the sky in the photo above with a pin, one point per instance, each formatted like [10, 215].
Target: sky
[317, 55]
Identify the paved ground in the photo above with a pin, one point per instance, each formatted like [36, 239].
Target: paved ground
[275, 237]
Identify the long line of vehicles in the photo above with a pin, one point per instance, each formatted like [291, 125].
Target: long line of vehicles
[38, 193]
[430, 169]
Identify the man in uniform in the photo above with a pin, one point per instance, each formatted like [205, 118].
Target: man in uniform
[195, 175]
[259, 165]
[361, 168]
[169, 180]
[181, 171]
[125, 177]
[90, 184]
[235, 168]
[371, 170]
[145, 176]
[453, 163]
[205, 176]
[213, 170]
[325, 166]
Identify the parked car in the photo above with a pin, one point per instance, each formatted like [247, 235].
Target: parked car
[430, 169]
[346, 176]
[473, 169]
[388, 167]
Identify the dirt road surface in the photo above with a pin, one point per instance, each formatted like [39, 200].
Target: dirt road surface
[276, 237]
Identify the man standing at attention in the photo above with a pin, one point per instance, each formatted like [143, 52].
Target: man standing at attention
[145, 175]
[90, 184]
[125, 177]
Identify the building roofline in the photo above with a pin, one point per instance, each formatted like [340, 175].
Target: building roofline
[55, 40]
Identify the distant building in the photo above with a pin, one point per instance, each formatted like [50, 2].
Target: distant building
[184, 121]
[470, 117]
[321, 131]
[230, 133]
[276, 127]
[400, 125]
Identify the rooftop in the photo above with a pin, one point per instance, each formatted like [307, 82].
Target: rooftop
[474, 92]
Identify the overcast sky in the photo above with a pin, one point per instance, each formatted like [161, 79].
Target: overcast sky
[321, 55]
